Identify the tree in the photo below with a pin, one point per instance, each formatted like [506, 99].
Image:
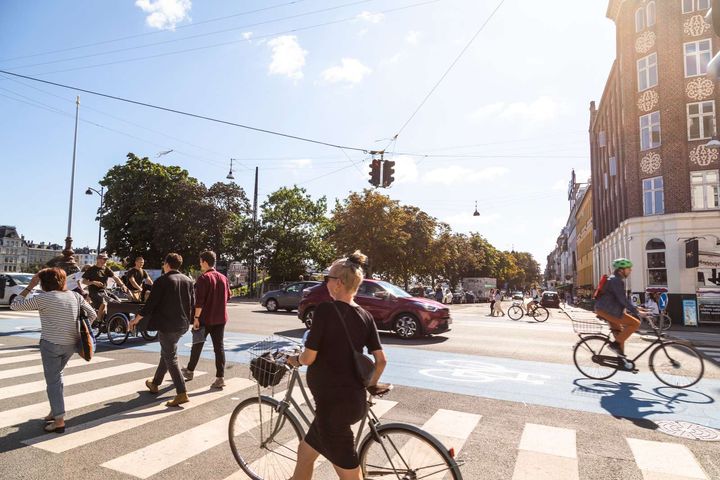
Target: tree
[419, 230]
[292, 233]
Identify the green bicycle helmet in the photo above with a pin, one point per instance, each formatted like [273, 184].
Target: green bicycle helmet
[621, 263]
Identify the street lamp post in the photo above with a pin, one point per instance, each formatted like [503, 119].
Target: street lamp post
[101, 193]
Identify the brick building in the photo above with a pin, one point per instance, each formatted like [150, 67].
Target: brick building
[655, 182]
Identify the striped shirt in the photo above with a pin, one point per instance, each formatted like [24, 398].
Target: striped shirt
[58, 314]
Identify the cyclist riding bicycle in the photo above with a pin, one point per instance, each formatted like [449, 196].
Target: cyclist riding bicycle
[535, 300]
[613, 306]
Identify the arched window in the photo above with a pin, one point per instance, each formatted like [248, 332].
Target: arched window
[639, 19]
[656, 268]
[650, 10]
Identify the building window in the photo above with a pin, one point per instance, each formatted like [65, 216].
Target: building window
[602, 140]
[653, 196]
[639, 19]
[701, 120]
[650, 131]
[705, 189]
[697, 57]
[689, 6]
[613, 166]
[657, 273]
[647, 72]
[650, 10]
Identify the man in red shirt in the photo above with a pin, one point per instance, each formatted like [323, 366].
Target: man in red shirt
[211, 296]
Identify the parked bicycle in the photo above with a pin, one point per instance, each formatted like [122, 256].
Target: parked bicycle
[534, 310]
[265, 430]
[675, 363]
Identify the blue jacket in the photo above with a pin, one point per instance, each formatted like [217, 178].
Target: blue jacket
[613, 299]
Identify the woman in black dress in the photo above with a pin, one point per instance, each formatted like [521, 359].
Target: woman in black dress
[340, 398]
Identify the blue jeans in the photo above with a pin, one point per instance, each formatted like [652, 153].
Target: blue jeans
[169, 361]
[54, 358]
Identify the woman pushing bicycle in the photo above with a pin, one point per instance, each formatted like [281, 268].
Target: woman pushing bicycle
[613, 306]
[340, 328]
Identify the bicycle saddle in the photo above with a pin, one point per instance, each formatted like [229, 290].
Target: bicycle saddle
[380, 389]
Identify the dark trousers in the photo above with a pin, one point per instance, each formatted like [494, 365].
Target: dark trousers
[216, 332]
[169, 361]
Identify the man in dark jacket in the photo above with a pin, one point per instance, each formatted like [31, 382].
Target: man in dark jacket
[211, 296]
[614, 306]
[170, 309]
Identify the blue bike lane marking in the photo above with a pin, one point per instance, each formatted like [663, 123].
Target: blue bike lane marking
[638, 396]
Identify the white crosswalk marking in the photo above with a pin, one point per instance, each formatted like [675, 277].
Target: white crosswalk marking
[97, 374]
[21, 372]
[19, 415]
[17, 350]
[77, 436]
[14, 314]
[546, 453]
[659, 460]
[19, 358]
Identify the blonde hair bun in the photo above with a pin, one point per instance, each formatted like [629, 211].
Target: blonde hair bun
[358, 258]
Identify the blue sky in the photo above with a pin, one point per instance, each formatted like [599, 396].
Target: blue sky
[344, 71]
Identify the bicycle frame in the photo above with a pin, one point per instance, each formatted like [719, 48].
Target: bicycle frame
[658, 341]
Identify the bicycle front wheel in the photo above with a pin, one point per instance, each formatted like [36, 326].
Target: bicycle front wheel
[591, 357]
[117, 329]
[404, 451]
[677, 365]
[263, 440]
[540, 314]
[515, 312]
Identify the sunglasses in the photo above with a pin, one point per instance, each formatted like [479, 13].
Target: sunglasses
[328, 277]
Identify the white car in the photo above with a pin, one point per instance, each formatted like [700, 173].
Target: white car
[11, 284]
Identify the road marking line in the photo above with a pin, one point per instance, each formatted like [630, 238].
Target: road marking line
[19, 359]
[86, 433]
[452, 424]
[21, 372]
[18, 350]
[20, 415]
[14, 314]
[20, 389]
[546, 453]
[665, 460]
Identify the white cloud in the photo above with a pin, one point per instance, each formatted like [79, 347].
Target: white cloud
[412, 37]
[392, 60]
[455, 174]
[406, 169]
[301, 162]
[540, 110]
[165, 14]
[371, 17]
[288, 57]
[351, 71]
[247, 35]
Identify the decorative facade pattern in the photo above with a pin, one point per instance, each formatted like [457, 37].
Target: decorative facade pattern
[645, 42]
[695, 26]
[703, 156]
[648, 100]
[650, 163]
[700, 88]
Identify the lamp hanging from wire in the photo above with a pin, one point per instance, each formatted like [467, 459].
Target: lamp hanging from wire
[476, 213]
[230, 174]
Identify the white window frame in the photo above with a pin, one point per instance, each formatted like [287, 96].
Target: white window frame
[650, 185]
[651, 14]
[650, 128]
[649, 252]
[695, 5]
[645, 68]
[700, 116]
[639, 19]
[704, 185]
[697, 54]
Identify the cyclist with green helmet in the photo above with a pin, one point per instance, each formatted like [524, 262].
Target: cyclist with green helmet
[613, 306]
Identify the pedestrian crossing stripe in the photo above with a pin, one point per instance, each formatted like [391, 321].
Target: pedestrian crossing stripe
[13, 314]
[546, 453]
[665, 460]
[23, 371]
[4, 351]
[19, 358]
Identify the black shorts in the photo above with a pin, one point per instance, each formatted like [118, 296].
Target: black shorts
[97, 298]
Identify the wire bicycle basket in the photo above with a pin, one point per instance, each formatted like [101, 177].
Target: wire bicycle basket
[584, 326]
[268, 360]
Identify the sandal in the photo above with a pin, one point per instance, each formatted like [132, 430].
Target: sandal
[52, 428]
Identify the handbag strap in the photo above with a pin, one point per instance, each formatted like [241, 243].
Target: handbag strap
[347, 332]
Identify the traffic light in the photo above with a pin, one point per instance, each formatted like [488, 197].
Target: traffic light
[713, 18]
[388, 172]
[375, 173]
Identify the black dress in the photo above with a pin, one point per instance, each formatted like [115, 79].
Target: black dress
[340, 399]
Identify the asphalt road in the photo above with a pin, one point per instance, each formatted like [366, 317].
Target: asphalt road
[504, 394]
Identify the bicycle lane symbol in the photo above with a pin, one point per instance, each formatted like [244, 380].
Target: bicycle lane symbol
[479, 372]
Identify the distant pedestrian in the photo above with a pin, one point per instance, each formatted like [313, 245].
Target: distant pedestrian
[498, 303]
[438, 294]
[170, 310]
[492, 302]
[59, 337]
[211, 296]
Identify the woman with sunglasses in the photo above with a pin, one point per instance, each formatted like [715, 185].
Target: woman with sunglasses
[340, 397]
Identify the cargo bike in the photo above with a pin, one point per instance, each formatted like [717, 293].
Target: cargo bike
[118, 315]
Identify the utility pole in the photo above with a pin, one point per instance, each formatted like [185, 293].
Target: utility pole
[253, 265]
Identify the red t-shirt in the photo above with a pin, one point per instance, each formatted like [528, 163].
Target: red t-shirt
[212, 294]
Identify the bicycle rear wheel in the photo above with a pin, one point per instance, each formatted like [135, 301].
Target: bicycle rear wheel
[515, 312]
[540, 314]
[117, 329]
[405, 451]
[590, 356]
[676, 364]
[263, 440]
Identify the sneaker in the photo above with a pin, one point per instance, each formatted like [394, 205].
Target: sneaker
[187, 374]
[218, 383]
[627, 364]
[615, 347]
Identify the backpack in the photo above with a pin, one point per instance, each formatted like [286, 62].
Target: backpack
[601, 287]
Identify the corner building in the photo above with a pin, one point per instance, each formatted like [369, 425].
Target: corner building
[655, 182]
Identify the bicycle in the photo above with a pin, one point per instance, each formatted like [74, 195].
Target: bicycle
[117, 320]
[534, 310]
[675, 363]
[661, 322]
[264, 432]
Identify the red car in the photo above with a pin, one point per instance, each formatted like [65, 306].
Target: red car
[392, 308]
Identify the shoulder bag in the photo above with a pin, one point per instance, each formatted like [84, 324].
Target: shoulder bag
[364, 366]
[86, 347]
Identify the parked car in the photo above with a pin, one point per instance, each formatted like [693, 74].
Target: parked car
[550, 300]
[392, 308]
[287, 298]
[11, 284]
[518, 296]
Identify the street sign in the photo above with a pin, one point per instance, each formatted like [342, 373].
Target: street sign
[662, 303]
